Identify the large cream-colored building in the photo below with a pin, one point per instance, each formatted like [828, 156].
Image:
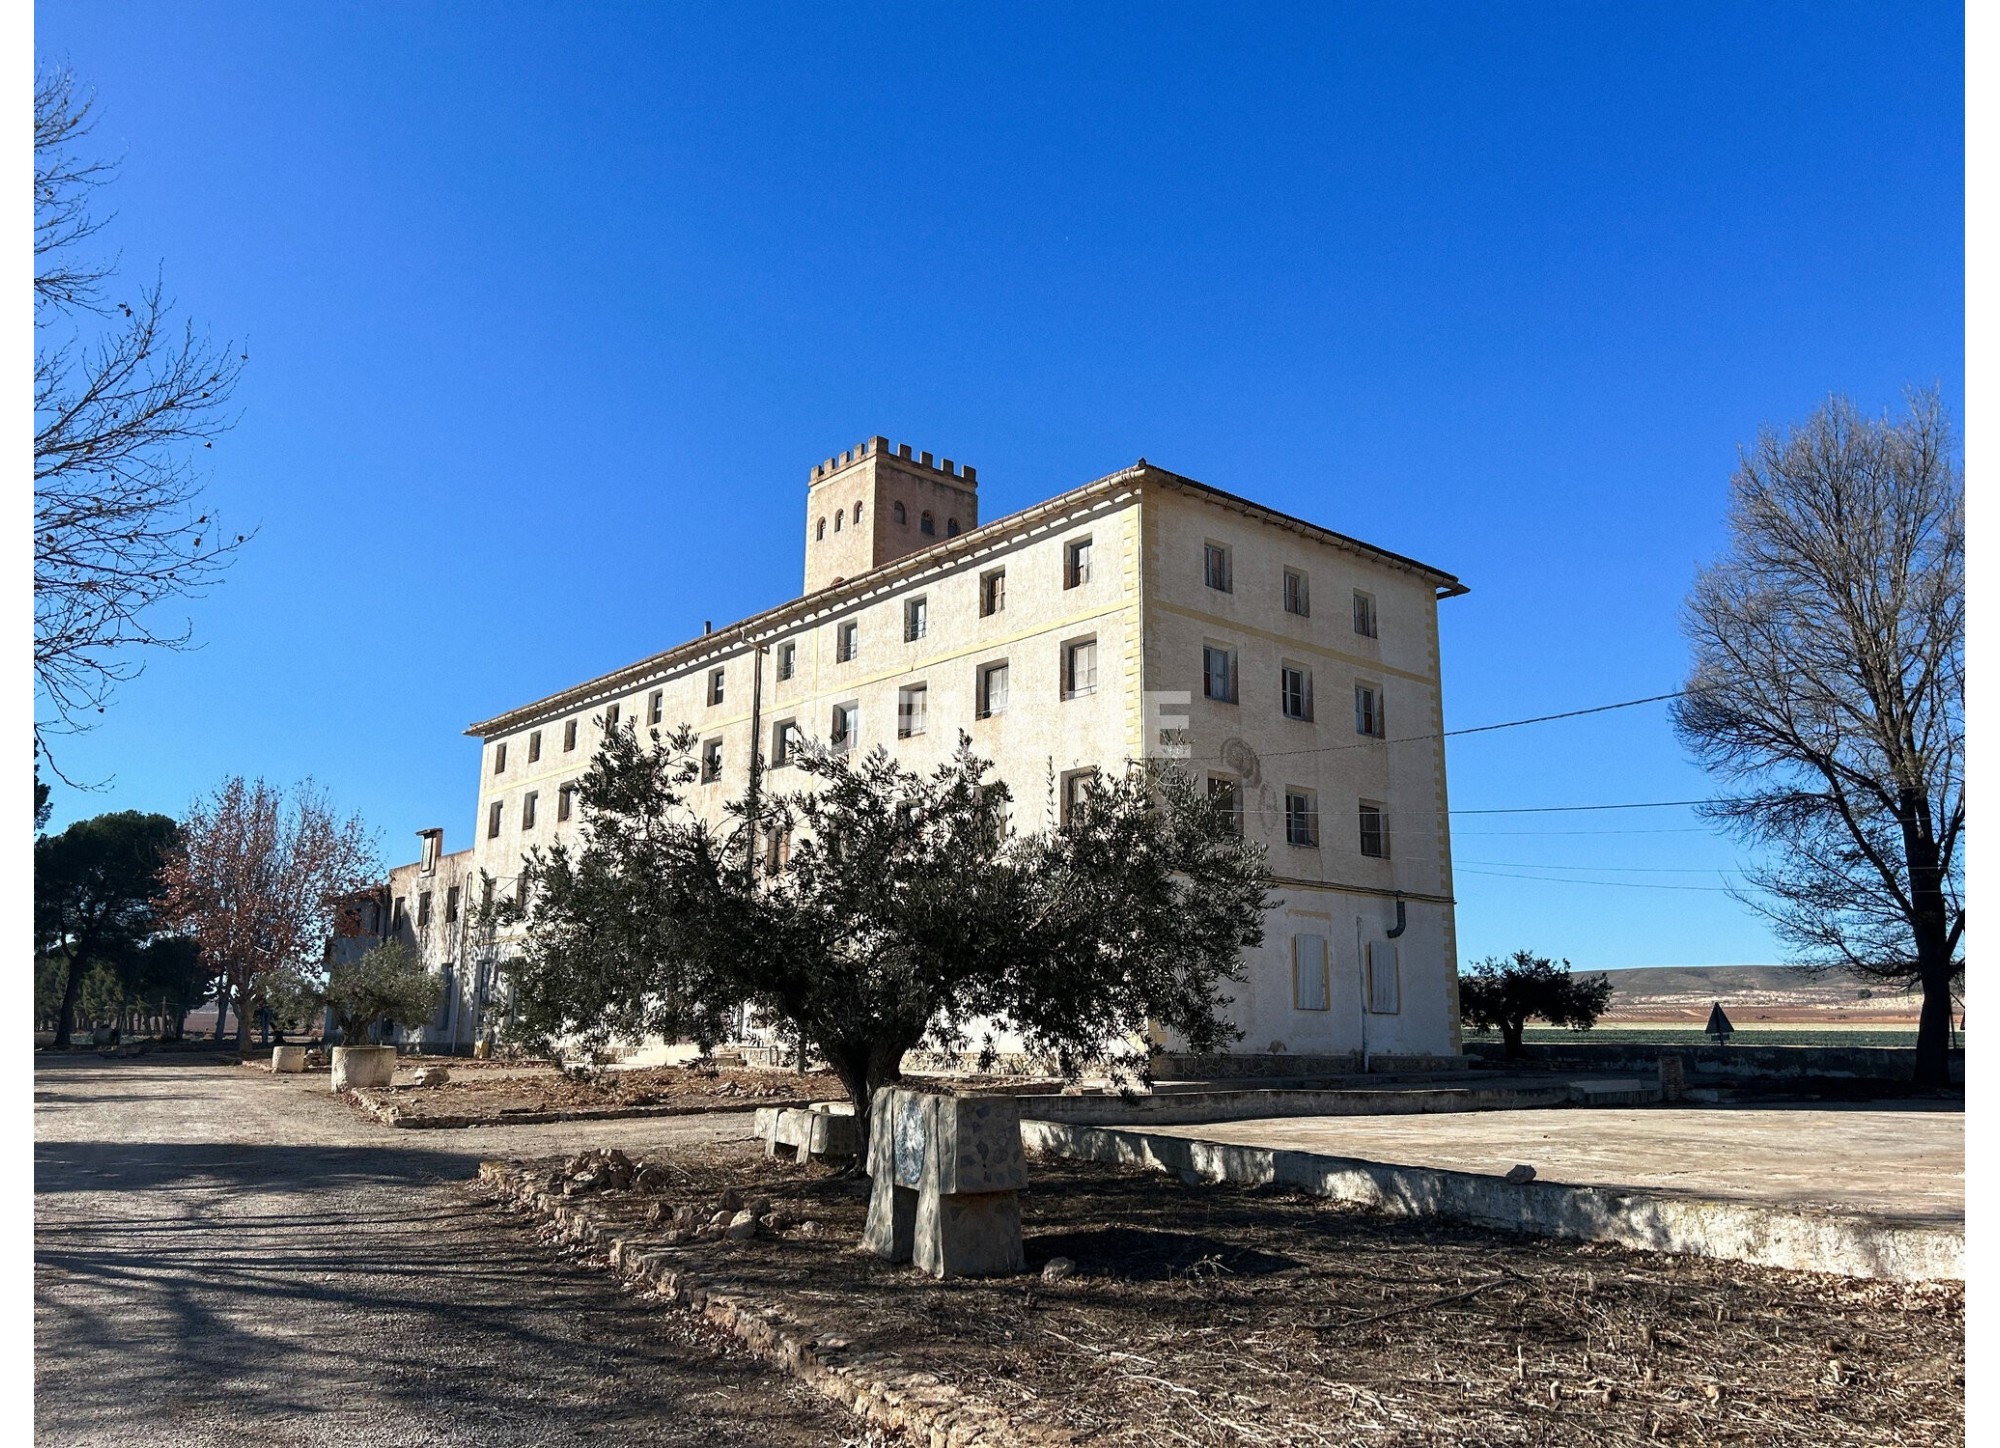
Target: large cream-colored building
[1298, 668]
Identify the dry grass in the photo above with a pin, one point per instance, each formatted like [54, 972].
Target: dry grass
[1228, 1315]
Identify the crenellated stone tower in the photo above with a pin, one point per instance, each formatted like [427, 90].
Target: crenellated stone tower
[871, 505]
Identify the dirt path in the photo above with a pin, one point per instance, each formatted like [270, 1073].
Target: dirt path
[222, 1257]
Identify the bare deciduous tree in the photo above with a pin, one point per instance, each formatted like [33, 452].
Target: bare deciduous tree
[1829, 686]
[257, 879]
[120, 410]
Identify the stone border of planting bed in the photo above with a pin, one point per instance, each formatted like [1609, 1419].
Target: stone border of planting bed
[391, 1114]
[876, 1387]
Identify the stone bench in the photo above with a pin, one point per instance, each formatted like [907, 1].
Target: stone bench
[822, 1131]
[947, 1174]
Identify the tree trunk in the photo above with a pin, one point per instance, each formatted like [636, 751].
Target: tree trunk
[1933, 1071]
[221, 1008]
[243, 1019]
[1511, 1032]
[72, 985]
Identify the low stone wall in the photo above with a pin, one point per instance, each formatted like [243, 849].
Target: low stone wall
[1716, 1064]
[1698, 1226]
[1190, 1108]
[1283, 1065]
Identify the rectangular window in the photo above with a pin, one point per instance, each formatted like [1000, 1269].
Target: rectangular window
[711, 761]
[528, 809]
[424, 910]
[1301, 818]
[784, 742]
[1385, 988]
[1076, 564]
[500, 757]
[1309, 983]
[1295, 689]
[1374, 831]
[1079, 668]
[716, 680]
[788, 660]
[1296, 600]
[845, 640]
[1218, 674]
[565, 797]
[1075, 794]
[493, 820]
[1215, 567]
[610, 717]
[398, 917]
[656, 707]
[916, 619]
[991, 694]
[992, 592]
[911, 705]
[569, 735]
[535, 747]
[1368, 710]
[846, 726]
[486, 900]
[778, 845]
[1364, 614]
[1225, 799]
[451, 905]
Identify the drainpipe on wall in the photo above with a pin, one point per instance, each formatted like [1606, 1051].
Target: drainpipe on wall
[1401, 921]
[1361, 984]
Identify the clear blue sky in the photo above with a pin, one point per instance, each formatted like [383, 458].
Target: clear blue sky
[550, 308]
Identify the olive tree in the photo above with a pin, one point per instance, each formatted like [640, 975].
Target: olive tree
[875, 910]
[1504, 994]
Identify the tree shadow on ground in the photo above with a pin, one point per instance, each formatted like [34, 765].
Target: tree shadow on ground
[1141, 1254]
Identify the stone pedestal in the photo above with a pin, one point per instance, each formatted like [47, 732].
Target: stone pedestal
[947, 1173]
[288, 1059]
[824, 1131]
[363, 1066]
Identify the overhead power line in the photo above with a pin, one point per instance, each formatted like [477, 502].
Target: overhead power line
[1470, 729]
[1620, 884]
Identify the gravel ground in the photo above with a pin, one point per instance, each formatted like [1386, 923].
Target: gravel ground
[223, 1258]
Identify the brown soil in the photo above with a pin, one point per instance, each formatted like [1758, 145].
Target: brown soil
[1219, 1314]
[495, 1095]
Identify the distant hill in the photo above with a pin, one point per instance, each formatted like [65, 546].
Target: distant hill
[1774, 993]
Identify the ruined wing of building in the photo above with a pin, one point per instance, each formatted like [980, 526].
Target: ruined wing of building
[1141, 614]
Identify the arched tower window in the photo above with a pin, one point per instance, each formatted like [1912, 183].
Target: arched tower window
[819, 534]
[902, 515]
[951, 528]
[927, 526]
[857, 513]
[838, 518]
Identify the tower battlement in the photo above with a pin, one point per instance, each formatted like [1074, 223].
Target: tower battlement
[877, 447]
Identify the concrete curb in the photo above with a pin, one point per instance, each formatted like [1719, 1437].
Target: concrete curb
[390, 1114]
[1849, 1246]
[875, 1387]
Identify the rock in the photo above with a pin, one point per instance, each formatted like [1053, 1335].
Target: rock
[619, 1174]
[1522, 1173]
[430, 1076]
[675, 1236]
[808, 1229]
[618, 1158]
[1190, 1177]
[770, 1222]
[590, 1181]
[1057, 1268]
[757, 1206]
[721, 1218]
[651, 1178]
[741, 1227]
[731, 1200]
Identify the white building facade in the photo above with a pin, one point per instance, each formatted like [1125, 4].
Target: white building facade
[1296, 669]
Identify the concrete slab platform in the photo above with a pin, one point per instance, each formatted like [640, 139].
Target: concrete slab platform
[1740, 1227]
[1892, 1162]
